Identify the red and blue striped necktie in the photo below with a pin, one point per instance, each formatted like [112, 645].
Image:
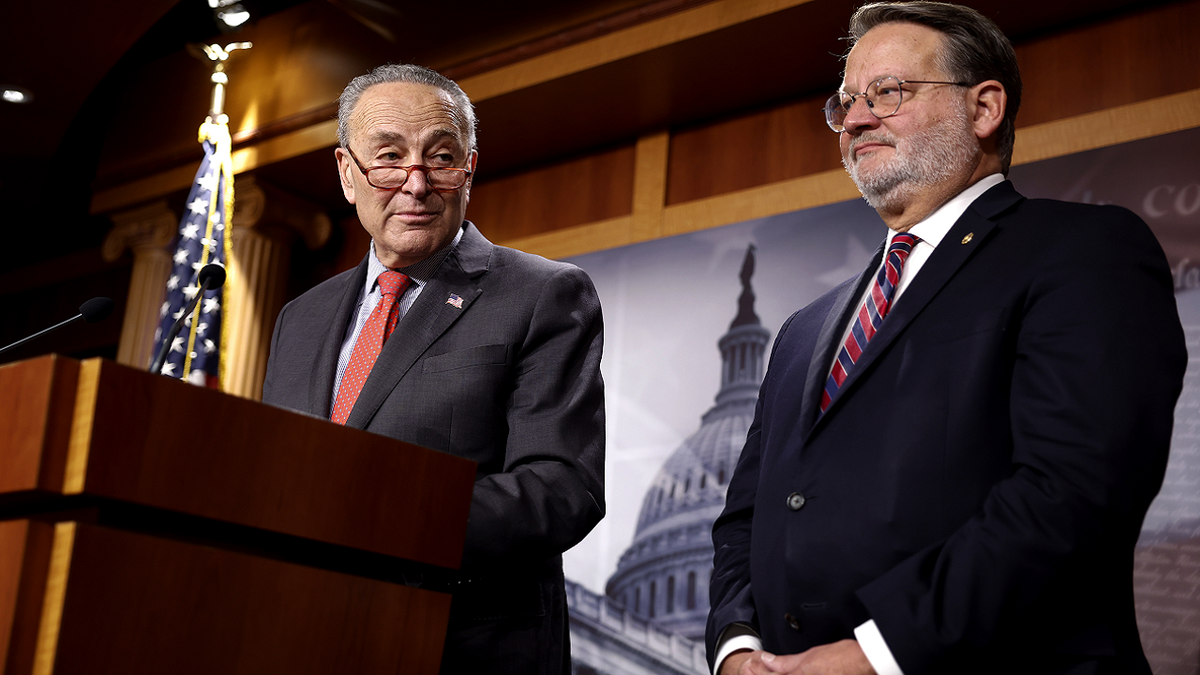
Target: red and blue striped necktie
[870, 314]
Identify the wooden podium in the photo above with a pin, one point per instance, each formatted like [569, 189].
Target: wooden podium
[151, 526]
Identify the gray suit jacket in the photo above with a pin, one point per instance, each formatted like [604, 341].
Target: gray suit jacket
[510, 380]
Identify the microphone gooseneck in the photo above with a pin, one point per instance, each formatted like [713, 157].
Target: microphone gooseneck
[96, 309]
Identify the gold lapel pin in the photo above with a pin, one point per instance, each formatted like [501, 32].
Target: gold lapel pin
[967, 239]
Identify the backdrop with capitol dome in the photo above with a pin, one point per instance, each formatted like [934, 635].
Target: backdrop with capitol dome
[685, 348]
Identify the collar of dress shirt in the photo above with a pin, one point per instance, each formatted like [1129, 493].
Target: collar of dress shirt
[419, 273]
[937, 224]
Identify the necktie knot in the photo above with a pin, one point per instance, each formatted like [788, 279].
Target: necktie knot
[392, 282]
[904, 242]
[870, 313]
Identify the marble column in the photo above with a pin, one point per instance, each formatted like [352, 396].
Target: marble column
[266, 221]
[146, 231]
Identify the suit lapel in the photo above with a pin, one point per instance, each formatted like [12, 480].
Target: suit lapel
[455, 282]
[950, 255]
[324, 370]
[829, 341]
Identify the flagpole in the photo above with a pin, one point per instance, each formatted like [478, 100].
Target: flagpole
[204, 238]
[216, 128]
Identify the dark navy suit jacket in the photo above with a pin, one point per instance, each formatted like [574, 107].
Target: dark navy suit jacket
[978, 484]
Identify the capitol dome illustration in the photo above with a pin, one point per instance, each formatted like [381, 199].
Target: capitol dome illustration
[664, 574]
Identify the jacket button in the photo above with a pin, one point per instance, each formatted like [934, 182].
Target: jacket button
[795, 501]
[792, 621]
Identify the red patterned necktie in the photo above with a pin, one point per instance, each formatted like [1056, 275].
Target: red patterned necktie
[870, 314]
[375, 331]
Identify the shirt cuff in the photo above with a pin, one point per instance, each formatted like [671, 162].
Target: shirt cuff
[871, 641]
[736, 636]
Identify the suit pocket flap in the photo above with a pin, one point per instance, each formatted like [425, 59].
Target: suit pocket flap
[482, 355]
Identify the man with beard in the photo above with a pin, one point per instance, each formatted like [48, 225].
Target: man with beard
[953, 453]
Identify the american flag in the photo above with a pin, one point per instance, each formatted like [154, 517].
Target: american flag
[203, 238]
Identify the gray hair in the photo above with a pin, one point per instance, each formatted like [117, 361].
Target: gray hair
[973, 49]
[404, 72]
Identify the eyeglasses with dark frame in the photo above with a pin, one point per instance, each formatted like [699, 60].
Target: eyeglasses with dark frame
[883, 97]
[440, 178]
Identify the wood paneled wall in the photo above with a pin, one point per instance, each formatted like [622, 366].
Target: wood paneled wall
[1124, 60]
[1104, 82]
[757, 148]
[581, 190]
[784, 157]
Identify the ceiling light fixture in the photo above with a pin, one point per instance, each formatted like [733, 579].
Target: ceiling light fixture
[14, 94]
[230, 14]
[234, 16]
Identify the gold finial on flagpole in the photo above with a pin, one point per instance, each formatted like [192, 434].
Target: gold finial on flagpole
[218, 55]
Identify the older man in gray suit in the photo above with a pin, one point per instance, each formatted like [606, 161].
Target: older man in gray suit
[442, 339]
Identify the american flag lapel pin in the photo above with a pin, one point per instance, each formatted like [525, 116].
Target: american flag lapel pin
[454, 301]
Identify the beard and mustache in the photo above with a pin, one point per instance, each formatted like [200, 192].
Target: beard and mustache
[921, 161]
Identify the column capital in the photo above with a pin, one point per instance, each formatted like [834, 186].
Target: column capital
[269, 211]
[147, 227]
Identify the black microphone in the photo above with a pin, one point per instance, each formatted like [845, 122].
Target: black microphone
[211, 277]
[96, 309]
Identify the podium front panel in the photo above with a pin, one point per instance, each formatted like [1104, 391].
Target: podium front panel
[101, 430]
[99, 601]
